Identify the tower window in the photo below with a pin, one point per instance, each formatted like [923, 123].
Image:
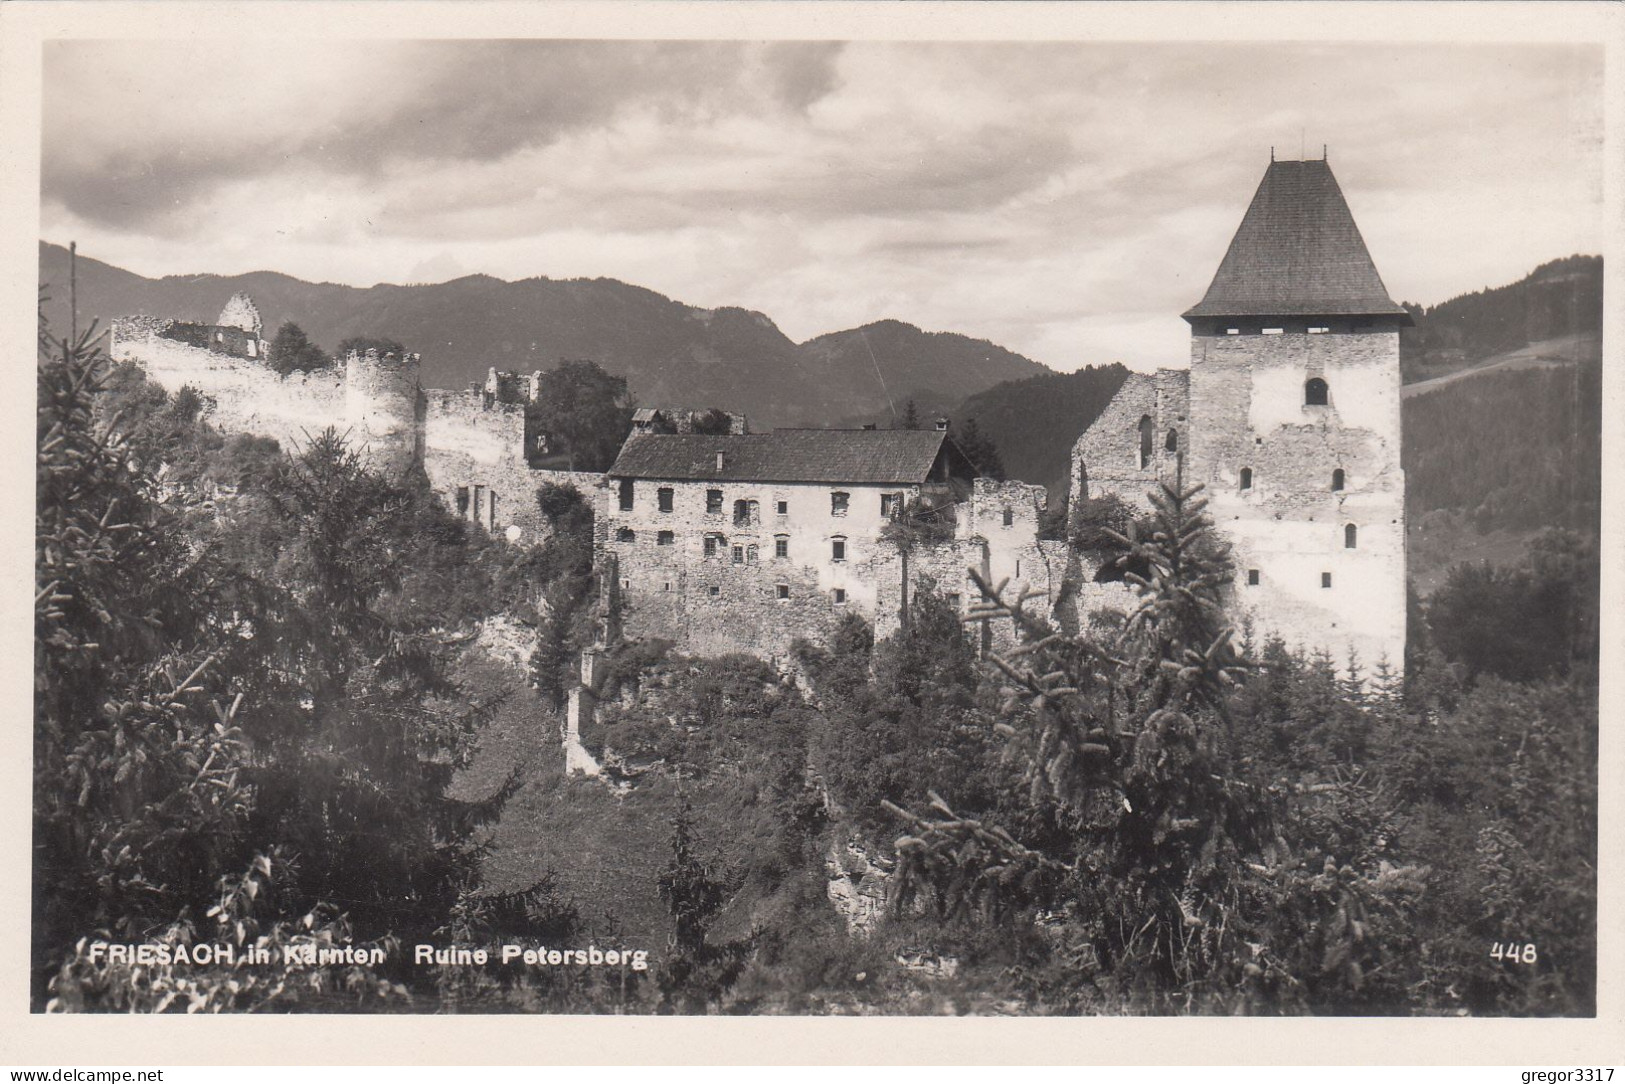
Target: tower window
[1009, 517]
[715, 590]
[1246, 477]
[1351, 537]
[711, 543]
[665, 538]
[840, 596]
[626, 494]
[1314, 392]
[1252, 577]
[713, 501]
[739, 555]
[1338, 478]
[1171, 442]
[1146, 430]
[664, 495]
[1325, 579]
[781, 546]
[783, 590]
[837, 549]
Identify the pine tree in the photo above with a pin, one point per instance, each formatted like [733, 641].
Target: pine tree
[292, 351]
[911, 416]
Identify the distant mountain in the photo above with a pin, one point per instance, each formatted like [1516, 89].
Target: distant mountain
[672, 354]
[1556, 299]
[1036, 421]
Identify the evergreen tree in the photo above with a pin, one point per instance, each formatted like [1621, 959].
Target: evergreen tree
[911, 416]
[291, 351]
[980, 450]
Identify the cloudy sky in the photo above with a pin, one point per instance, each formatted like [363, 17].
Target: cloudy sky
[1065, 200]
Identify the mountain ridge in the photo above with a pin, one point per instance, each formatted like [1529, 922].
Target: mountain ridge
[672, 353]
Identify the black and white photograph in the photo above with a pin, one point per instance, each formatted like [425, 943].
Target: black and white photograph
[796, 525]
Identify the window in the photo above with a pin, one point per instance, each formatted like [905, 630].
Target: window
[1319, 330]
[665, 538]
[715, 590]
[837, 549]
[840, 596]
[783, 508]
[462, 501]
[1246, 477]
[1146, 428]
[1252, 577]
[1351, 537]
[667, 586]
[781, 546]
[712, 543]
[739, 555]
[1314, 392]
[952, 598]
[783, 590]
[1009, 517]
[626, 534]
[1232, 331]
[1337, 480]
[1170, 443]
[746, 513]
[491, 511]
[664, 495]
[1274, 330]
[888, 505]
[750, 555]
[1325, 579]
[626, 494]
[713, 501]
[838, 502]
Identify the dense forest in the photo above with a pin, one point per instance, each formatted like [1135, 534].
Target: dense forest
[271, 710]
[1555, 300]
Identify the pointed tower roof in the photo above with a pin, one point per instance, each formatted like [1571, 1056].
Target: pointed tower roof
[1297, 253]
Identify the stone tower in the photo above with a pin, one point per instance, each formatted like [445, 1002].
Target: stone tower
[384, 409]
[1295, 422]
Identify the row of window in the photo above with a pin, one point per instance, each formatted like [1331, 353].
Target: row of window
[1252, 578]
[1339, 479]
[748, 511]
[781, 591]
[743, 553]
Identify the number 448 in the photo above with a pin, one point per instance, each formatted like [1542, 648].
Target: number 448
[1513, 953]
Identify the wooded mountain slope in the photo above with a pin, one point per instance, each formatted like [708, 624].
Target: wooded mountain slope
[672, 354]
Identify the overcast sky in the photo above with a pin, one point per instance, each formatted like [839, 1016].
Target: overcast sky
[1065, 200]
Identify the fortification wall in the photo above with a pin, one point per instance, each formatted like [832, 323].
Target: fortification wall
[244, 395]
[1107, 458]
[1318, 587]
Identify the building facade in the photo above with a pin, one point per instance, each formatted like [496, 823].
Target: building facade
[1289, 417]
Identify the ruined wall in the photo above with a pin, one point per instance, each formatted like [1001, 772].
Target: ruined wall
[384, 406]
[245, 396]
[1248, 411]
[474, 457]
[241, 312]
[1107, 458]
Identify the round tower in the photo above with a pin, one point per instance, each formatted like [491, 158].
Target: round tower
[382, 400]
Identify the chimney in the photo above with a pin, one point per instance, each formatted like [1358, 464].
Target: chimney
[942, 425]
[721, 458]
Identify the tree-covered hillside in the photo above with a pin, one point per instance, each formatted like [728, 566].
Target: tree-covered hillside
[1555, 300]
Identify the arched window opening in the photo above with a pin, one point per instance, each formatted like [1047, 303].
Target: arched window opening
[1171, 443]
[1314, 392]
[1337, 480]
[1351, 537]
[1147, 427]
[1246, 477]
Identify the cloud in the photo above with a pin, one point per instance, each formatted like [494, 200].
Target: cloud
[1067, 200]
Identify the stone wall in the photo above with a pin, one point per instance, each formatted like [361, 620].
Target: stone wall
[1107, 458]
[244, 395]
[1288, 524]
